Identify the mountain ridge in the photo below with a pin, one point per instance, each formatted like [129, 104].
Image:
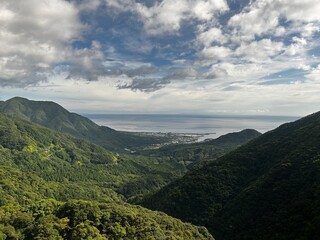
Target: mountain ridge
[54, 116]
[266, 189]
[58, 157]
[54, 186]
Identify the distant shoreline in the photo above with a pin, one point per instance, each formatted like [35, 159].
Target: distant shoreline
[177, 137]
[204, 125]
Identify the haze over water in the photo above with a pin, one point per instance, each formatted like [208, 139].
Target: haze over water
[214, 126]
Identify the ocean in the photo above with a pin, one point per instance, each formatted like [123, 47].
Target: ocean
[210, 126]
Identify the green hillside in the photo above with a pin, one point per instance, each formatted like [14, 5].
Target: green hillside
[76, 220]
[88, 170]
[266, 189]
[189, 154]
[52, 115]
[41, 171]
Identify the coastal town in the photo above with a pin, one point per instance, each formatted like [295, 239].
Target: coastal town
[173, 138]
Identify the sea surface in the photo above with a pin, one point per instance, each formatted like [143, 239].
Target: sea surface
[210, 126]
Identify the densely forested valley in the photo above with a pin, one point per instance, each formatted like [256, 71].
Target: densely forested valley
[57, 181]
[44, 174]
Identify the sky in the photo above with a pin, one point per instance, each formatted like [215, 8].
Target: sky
[256, 57]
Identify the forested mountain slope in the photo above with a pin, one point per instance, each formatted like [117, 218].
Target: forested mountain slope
[266, 189]
[78, 219]
[52, 115]
[39, 166]
[88, 170]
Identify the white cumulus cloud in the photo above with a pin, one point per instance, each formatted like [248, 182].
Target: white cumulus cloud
[167, 16]
[213, 35]
[259, 51]
[34, 35]
[263, 16]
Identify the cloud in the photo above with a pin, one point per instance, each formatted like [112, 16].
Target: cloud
[301, 11]
[151, 84]
[229, 71]
[167, 16]
[144, 84]
[259, 51]
[213, 35]
[290, 76]
[34, 36]
[134, 53]
[263, 17]
[141, 70]
[87, 63]
[214, 54]
[308, 29]
[297, 46]
[314, 75]
[265, 37]
[87, 5]
[197, 97]
[183, 74]
[255, 20]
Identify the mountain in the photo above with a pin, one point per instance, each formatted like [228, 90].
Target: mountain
[190, 154]
[45, 175]
[75, 168]
[52, 115]
[266, 189]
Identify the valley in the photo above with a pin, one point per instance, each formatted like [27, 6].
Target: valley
[44, 172]
[159, 120]
[57, 183]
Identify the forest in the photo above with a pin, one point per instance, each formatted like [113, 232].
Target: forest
[57, 186]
